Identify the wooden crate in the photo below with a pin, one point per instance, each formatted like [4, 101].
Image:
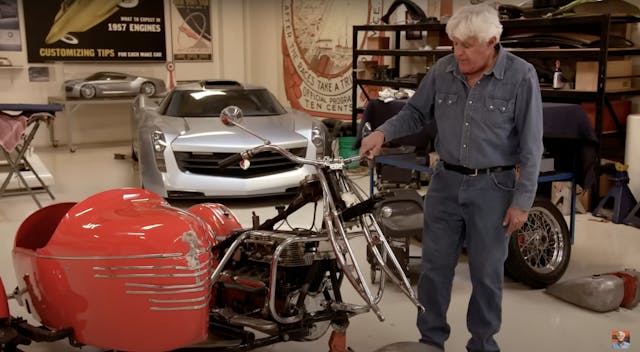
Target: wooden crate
[618, 75]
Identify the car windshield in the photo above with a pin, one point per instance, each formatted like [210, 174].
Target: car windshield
[209, 102]
[102, 76]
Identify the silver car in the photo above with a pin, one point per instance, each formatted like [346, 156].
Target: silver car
[113, 84]
[180, 141]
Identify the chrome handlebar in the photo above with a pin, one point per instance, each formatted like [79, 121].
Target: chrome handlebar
[327, 162]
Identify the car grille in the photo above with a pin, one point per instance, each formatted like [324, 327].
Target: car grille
[68, 88]
[265, 163]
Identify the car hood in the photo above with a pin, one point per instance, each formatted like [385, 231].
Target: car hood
[206, 134]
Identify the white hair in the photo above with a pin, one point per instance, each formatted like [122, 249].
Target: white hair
[480, 21]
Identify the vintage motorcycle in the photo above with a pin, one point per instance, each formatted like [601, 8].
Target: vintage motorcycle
[124, 270]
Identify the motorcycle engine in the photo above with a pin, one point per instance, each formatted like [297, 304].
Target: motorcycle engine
[244, 283]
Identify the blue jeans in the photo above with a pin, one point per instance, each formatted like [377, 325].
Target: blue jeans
[465, 210]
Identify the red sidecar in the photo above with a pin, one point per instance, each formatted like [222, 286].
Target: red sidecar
[123, 269]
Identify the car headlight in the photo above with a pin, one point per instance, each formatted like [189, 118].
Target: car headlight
[319, 137]
[386, 211]
[159, 145]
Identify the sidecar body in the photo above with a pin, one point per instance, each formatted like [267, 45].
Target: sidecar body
[123, 269]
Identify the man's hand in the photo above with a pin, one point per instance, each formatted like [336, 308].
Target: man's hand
[514, 219]
[371, 144]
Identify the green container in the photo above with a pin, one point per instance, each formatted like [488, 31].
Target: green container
[345, 149]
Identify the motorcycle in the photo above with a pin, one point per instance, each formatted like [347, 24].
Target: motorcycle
[124, 270]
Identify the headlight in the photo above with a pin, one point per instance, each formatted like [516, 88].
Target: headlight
[386, 212]
[319, 139]
[159, 145]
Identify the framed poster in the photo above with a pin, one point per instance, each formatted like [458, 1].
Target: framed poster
[94, 30]
[191, 30]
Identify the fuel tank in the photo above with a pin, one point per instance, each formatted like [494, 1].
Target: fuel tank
[122, 268]
[600, 293]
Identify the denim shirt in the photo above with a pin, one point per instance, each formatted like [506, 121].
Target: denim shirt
[496, 122]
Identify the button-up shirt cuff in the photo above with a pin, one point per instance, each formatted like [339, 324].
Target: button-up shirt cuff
[523, 201]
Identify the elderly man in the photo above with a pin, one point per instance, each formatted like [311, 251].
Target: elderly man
[487, 107]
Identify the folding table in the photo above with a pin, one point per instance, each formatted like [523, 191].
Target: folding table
[35, 114]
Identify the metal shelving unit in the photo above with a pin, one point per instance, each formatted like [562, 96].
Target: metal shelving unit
[596, 25]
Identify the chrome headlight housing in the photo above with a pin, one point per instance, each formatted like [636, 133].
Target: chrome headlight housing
[320, 139]
[159, 144]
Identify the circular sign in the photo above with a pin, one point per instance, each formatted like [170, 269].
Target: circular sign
[317, 50]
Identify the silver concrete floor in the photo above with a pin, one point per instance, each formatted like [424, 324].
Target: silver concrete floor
[532, 320]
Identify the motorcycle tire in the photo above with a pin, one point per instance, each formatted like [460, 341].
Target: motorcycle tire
[539, 252]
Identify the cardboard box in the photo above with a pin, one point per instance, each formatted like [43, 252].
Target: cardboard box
[376, 42]
[561, 197]
[618, 75]
[367, 69]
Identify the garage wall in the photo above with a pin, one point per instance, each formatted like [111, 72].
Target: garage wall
[247, 36]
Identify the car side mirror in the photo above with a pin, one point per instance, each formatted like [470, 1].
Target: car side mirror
[231, 115]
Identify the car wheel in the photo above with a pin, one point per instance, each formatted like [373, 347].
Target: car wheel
[127, 4]
[539, 252]
[88, 91]
[148, 89]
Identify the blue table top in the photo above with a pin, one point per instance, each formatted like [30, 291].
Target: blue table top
[52, 108]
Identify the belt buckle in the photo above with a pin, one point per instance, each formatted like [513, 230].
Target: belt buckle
[475, 172]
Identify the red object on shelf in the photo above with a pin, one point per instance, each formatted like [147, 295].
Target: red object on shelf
[622, 109]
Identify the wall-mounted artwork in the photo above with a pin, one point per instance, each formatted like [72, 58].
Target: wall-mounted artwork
[317, 49]
[38, 74]
[191, 30]
[94, 30]
[9, 26]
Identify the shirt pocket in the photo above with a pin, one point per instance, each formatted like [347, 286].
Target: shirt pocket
[499, 110]
[505, 180]
[445, 104]
[446, 100]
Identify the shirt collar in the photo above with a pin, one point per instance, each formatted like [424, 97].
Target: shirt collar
[497, 70]
[501, 62]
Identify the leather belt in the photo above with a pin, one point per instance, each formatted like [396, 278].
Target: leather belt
[475, 172]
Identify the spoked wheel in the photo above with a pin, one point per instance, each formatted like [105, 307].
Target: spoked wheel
[539, 252]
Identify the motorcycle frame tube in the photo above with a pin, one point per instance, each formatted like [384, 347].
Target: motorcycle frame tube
[330, 217]
[272, 278]
[403, 281]
[225, 258]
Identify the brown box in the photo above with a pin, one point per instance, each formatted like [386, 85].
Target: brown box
[618, 75]
[376, 42]
[367, 69]
[561, 197]
[622, 108]
[605, 185]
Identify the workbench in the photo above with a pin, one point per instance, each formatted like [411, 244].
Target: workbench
[71, 106]
[21, 123]
[567, 136]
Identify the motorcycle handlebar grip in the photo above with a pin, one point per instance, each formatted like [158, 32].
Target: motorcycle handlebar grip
[230, 160]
